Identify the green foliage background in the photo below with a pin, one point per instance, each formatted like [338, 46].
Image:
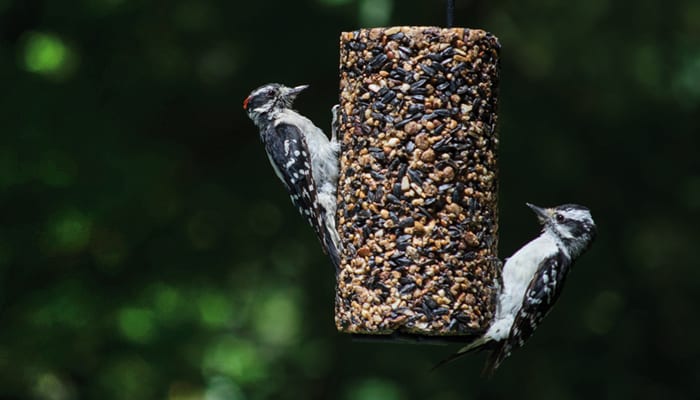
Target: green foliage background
[148, 252]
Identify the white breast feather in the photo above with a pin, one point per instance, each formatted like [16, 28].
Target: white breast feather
[517, 274]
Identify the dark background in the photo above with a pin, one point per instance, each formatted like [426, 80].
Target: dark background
[147, 251]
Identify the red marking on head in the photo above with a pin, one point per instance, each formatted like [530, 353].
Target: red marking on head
[245, 103]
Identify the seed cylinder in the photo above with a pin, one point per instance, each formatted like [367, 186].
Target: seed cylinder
[417, 195]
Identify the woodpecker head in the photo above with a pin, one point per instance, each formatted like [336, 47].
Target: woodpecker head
[269, 98]
[570, 223]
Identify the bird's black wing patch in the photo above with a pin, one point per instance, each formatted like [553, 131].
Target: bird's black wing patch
[291, 160]
[540, 296]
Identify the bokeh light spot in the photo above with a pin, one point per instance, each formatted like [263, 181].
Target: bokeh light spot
[48, 386]
[45, 53]
[373, 389]
[215, 310]
[167, 302]
[375, 12]
[70, 231]
[223, 388]
[136, 324]
[235, 358]
[277, 318]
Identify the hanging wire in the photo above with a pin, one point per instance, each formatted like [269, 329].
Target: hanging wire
[450, 13]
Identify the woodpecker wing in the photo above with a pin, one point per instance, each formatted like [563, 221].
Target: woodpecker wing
[543, 291]
[290, 158]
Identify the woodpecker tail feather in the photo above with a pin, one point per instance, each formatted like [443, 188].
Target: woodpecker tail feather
[333, 254]
[495, 359]
[328, 236]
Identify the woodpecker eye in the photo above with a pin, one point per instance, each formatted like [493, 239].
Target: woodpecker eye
[559, 218]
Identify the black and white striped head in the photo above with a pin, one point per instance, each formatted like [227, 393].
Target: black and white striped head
[572, 224]
[268, 98]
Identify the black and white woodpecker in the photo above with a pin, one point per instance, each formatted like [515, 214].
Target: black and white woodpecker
[532, 280]
[303, 158]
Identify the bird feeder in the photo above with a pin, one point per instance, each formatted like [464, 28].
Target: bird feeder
[417, 194]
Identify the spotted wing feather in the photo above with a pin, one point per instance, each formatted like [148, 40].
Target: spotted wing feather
[290, 158]
[540, 296]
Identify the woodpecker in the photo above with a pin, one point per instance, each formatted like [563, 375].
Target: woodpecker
[302, 156]
[532, 280]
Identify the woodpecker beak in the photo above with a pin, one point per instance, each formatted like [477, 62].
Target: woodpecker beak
[543, 214]
[293, 92]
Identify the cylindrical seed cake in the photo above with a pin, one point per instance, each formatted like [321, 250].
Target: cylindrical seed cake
[417, 196]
